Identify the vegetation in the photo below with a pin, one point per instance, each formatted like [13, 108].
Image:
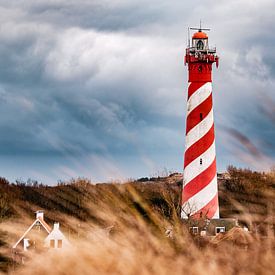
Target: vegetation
[132, 219]
[245, 193]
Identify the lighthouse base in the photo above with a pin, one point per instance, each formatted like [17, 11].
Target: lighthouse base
[206, 227]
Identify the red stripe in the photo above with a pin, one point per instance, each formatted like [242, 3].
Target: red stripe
[199, 182]
[199, 147]
[194, 117]
[208, 210]
[193, 87]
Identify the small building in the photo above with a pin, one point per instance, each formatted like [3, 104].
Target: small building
[210, 227]
[223, 176]
[40, 236]
[33, 237]
[56, 238]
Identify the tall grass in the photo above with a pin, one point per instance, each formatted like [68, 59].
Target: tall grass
[127, 236]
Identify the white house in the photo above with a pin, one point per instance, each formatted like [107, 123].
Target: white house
[41, 235]
[32, 236]
[56, 238]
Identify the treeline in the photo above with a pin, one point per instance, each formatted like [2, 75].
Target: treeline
[248, 193]
[248, 181]
[79, 197]
[241, 190]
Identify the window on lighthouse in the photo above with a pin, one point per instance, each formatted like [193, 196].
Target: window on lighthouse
[200, 161]
[200, 45]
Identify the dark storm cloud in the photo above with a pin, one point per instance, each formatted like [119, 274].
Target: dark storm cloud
[90, 15]
[90, 81]
[101, 15]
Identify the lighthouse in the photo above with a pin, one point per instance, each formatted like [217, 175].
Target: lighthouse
[200, 188]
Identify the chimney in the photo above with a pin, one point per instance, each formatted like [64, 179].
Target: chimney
[56, 226]
[40, 214]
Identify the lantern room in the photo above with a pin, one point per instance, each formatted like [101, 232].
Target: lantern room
[199, 50]
[200, 41]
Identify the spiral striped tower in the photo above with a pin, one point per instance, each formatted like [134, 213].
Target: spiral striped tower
[200, 188]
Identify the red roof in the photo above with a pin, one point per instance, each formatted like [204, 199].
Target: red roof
[200, 35]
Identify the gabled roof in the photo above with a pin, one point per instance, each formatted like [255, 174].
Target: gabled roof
[56, 232]
[39, 220]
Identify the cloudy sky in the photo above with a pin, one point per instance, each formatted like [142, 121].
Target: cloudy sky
[97, 88]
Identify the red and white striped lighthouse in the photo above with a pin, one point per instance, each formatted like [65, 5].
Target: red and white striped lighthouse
[200, 189]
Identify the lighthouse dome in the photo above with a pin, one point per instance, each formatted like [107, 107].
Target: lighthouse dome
[200, 35]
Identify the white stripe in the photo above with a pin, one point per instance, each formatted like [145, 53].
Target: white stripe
[217, 214]
[204, 196]
[199, 130]
[199, 96]
[195, 168]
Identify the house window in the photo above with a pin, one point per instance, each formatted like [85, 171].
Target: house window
[220, 229]
[52, 243]
[59, 244]
[194, 230]
[200, 161]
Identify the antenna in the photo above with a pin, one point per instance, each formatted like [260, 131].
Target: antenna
[200, 28]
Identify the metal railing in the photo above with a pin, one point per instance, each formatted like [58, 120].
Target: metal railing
[207, 50]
